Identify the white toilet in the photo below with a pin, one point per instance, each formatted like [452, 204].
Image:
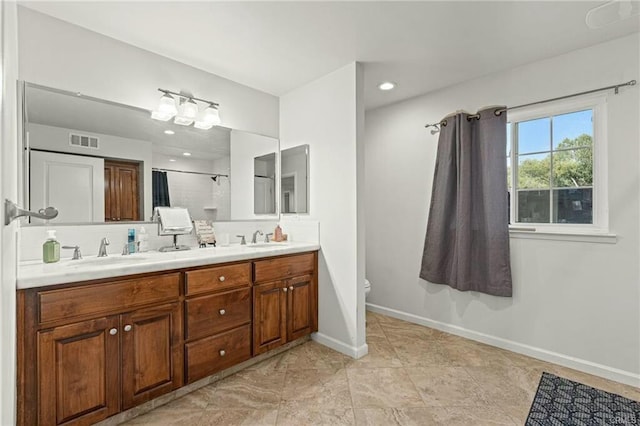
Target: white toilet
[367, 288]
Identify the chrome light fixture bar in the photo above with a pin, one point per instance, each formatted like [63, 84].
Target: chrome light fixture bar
[187, 112]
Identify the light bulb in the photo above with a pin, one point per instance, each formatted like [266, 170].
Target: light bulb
[210, 118]
[167, 105]
[189, 109]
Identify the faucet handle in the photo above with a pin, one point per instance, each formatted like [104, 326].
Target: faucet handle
[105, 241]
[266, 237]
[76, 252]
[125, 250]
[243, 240]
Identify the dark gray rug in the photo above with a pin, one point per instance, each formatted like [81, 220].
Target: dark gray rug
[562, 402]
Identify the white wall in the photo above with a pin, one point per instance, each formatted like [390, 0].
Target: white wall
[244, 148]
[575, 303]
[57, 54]
[57, 139]
[335, 141]
[8, 189]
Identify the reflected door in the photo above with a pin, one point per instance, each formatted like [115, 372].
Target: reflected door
[73, 184]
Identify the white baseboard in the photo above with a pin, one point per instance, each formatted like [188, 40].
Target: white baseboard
[337, 345]
[622, 376]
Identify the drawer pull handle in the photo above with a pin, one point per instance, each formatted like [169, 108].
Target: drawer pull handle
[221, 278]
[127, 327]
[291, 288]
[285, 289]
[113, 331]
[222, 311]
[223, 352]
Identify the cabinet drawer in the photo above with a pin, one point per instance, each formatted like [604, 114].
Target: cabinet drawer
[218, 278]
[284, 267]
[207, 315]
[107, 298]
[212, 354]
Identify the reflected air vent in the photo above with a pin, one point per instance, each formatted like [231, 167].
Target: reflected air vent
[83, 141]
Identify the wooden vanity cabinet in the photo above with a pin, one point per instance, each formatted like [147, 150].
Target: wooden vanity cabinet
[286, 309]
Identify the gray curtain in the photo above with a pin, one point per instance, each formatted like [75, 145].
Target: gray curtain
[467, 241]
[160, 189]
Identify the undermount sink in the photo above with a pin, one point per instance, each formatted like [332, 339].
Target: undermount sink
[109, 260]
[266, 245]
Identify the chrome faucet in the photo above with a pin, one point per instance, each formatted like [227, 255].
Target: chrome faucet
[267, 236]
[255, 235]
[102, 251]
[76, 252]
[243, 241]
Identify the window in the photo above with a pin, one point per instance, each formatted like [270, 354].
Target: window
[555, 166]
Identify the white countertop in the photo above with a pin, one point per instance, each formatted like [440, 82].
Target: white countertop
[37, 274]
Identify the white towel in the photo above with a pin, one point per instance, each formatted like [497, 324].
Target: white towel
[174, 219]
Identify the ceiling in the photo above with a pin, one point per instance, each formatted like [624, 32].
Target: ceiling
[278, 46]
[61, 109]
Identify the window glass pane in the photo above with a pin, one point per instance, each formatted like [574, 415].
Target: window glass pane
[509, 173]
[534, 171]
[573, 205]
[534, 135]
[573, 168]
[508, 139]
[573, 129]
[533, 206]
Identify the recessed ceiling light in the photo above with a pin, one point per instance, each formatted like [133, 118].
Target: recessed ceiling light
[387, 85]
[172, 160]
[169, 132]
[186, 154]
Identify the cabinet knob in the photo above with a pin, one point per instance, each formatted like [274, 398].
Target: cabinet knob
[113, 331]
[223, 352]
[222, 311]
[221, 278]
[127, 327]
[291, 287]
[285, 289]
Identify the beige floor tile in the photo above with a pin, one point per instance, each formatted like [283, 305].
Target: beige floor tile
[473, 354]
[278, 362]
[256, 389]
[382, 387]
[327, 388]
[312, 355]
[419, 353]
[237, 417]
[198, 399]
[506, 385]
[402, 331]
[168, 416]
[288, 416]
[482, 415]
[374, 332]
[381, 355]
[518, 413]
[446, 386]
[394, 417]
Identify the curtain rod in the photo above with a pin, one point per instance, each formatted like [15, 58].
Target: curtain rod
[499, 111]
[155, 169]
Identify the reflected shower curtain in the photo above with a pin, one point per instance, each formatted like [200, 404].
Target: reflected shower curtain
[467, 241]
[160, 189]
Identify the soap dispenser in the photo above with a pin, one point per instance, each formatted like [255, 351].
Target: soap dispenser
[51, 248]
[277, 234]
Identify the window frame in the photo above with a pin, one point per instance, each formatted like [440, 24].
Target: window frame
[598, 104]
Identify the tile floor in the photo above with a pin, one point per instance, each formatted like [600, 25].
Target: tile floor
[413, 375]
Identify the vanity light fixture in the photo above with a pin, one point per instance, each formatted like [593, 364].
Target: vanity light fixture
[169, 132]
[187, 111]
[387, 85]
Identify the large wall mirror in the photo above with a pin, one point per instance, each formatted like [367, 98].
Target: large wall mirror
[98, 161]
[294, 180]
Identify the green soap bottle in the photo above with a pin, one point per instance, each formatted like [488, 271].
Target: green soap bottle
[51, 248]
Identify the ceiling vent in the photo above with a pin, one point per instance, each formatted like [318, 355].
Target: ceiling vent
[83, 141]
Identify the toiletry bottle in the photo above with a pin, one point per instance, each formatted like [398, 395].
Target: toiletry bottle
[51, 248]
[143, 240]
[277, 234]
[131, 240]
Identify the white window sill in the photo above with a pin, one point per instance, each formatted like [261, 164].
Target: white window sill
[583, 237]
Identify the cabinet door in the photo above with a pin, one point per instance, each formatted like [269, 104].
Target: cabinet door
[151, 353]
[78, 372]
[269, 316]
[299, 307]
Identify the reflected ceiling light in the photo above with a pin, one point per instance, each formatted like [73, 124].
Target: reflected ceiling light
[172, 160]
[210, 117]
[169, 132]
[387, 85]
[611, 12]
[186, 154]
[187, 112]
